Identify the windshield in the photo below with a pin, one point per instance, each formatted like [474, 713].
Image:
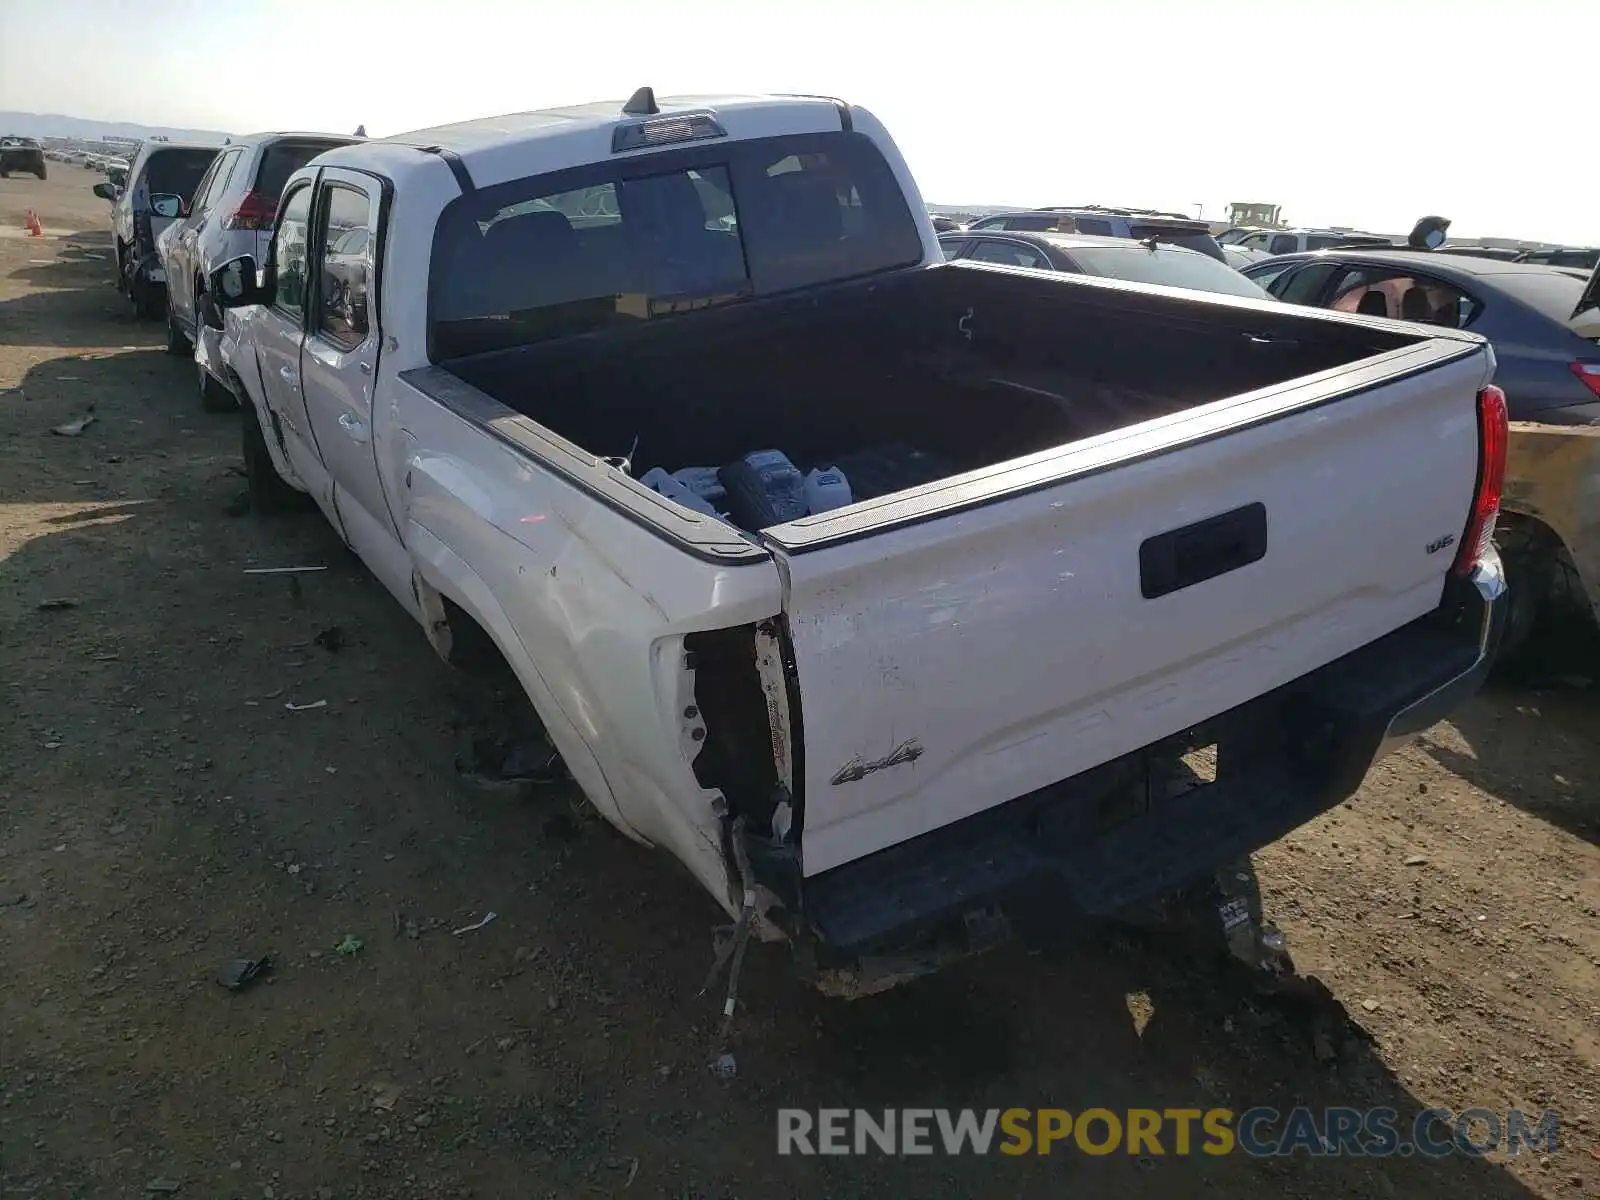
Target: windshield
[642, 238]
[1173, 267]
[177, 172]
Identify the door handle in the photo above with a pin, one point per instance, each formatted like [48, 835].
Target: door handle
[356, 429]
[290, 376]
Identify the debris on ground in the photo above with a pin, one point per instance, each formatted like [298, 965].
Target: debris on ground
[1416, 860]
[293, 707]
[477, 925]
[724, 1066]
[282, 570]
[56, 603]
[240, 973]
[330, 639]
[349, 946]
[162, 1185]
[386, 1095]
[75, 428]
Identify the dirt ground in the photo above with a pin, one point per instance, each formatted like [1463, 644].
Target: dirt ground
[162, 811]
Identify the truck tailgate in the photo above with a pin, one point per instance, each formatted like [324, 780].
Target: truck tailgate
[953, 654]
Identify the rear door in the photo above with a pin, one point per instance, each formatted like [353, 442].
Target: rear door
[341, 351]
[279, 339]
[1115, 593]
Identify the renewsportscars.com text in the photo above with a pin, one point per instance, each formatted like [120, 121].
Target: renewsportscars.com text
[1257, 1132]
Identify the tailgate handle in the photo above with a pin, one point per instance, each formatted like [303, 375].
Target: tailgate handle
[1180, 558]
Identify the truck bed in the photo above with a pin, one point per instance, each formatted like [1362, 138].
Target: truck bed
[969, 366]
[1158, 507]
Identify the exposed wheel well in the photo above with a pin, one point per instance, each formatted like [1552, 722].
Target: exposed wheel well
[1546, 596]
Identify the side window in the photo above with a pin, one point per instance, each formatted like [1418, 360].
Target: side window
[1093, 225]
[289, 252]
[1011, 254]
[1255, 241]
[953, 249]
[1305, 286]
[1272, 276]
[1039, 222]
[1283, 243]
[215, 182]
[1385, 293]
[344, 252]
[988, 223]
[202, 191]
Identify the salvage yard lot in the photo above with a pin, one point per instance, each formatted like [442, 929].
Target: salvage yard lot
[162, 811]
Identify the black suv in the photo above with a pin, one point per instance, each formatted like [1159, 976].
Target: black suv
[20, 154]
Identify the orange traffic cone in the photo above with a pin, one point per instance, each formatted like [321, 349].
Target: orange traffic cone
[32, 225]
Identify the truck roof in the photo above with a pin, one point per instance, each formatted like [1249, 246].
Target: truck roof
[496, 149]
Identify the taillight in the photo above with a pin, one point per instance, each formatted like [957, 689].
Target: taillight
[1589, 373]
[255, 211]
[1494, 433]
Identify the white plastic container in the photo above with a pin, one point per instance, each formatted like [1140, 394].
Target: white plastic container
[827, 488]
[675, 489]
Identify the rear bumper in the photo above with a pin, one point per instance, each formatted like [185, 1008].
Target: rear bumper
[1134, 830]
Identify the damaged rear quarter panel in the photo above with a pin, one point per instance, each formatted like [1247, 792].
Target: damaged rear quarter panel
[597, 608]
[1553, 473]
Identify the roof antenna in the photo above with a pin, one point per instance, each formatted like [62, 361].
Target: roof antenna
[642, 103]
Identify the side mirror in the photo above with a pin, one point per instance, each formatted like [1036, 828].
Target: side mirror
[105, 191]
[118, 177]
[165, 204]
[236, 284]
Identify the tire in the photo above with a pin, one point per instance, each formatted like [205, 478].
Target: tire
[269, 494]
[215, 396]
[178, 344]
[1524, 614]
[142, 292]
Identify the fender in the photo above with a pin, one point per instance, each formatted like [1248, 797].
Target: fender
[439, 570]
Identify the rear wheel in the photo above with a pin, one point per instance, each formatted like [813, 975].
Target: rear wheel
[178, 343]
[143, 294]
[269, 494]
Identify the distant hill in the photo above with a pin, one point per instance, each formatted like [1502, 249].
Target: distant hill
[56, 125]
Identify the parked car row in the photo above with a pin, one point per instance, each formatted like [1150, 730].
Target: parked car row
[182, 205]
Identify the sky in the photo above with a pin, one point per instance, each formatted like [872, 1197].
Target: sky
[1352, 113]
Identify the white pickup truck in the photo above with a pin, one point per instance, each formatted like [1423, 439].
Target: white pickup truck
[888, 595]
